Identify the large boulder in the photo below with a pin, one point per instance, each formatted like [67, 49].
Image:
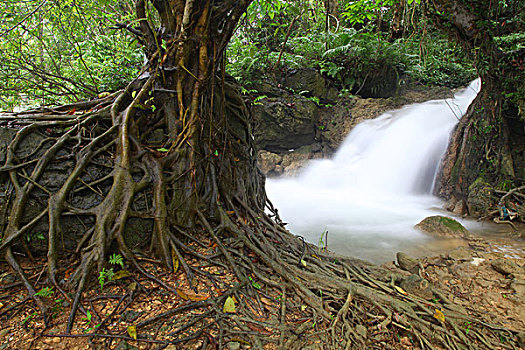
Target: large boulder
[481, 199]
[443, 227]
[310, 82]
[284, 123]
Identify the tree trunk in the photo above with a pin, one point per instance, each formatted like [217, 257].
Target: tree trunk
[396, 27]
[487, 145]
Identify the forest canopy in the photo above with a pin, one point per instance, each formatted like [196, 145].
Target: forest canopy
[63, 51]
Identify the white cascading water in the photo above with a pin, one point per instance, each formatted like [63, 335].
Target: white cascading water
[379, 183]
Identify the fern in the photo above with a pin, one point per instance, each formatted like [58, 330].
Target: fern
[340, 51]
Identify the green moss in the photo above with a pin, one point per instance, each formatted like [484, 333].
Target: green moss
[480, 182]
[451, 224]
[505, 185]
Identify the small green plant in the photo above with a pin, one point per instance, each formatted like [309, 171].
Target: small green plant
[254, 284]
[259, 98]
[45, 292]
[116, 259]
[323, 241]
[29, 318]
[87, 321]
[467, 327]
[39, 236]
[105, 276]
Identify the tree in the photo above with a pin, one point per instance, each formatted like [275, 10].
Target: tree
[484, 147]
[175, 148]
[55, 52]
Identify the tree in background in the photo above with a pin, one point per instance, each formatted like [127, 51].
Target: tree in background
[485, 148]
[63, 51]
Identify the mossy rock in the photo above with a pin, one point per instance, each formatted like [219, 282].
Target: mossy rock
[442, 226]
[481, 200]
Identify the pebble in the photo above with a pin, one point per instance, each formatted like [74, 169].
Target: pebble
[407, 263]
[233, 345]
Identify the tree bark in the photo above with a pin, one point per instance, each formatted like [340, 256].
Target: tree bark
[482, 145]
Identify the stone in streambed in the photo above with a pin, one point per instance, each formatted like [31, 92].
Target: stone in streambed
[518, 286]
[460, 253]
[506, 267]
[442, 227]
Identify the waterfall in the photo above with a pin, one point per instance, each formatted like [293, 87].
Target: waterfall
[379, 183]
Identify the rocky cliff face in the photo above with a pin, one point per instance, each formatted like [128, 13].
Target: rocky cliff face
[302, 116]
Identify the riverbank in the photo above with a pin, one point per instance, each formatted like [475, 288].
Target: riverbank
[484, 273]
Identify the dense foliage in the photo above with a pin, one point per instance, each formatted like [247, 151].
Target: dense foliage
[346, 46]
[61, 51]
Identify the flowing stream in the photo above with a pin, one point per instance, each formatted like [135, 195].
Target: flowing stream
[378, 185]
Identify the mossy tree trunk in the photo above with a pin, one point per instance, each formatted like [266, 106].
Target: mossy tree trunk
[488, 141]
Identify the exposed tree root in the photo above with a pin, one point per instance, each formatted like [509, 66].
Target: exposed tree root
[195, 181]
[347, 303]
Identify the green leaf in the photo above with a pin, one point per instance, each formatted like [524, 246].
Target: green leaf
[116, 259]
[162, 149]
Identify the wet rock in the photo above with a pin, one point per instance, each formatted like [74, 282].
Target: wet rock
[442, 226]
[407, 263]
[284, 123]
[506, 266]
[311, 82]
[233, 345]
[460, 253]
[460, 208]
[269, 163]
[416, 285]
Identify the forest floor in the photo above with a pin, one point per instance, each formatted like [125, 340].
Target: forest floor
[485, 275]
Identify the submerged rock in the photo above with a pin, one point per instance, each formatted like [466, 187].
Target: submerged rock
[442, 226]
